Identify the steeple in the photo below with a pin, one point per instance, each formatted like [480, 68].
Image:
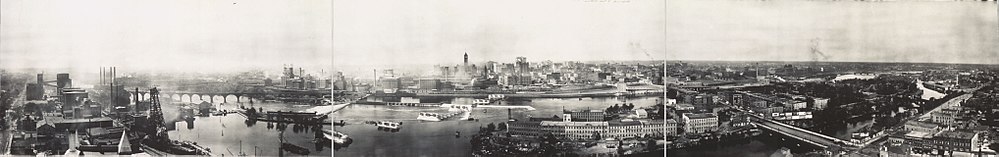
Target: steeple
[466, 58]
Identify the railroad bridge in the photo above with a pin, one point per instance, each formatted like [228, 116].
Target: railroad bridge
[817, 139]
[143, 95]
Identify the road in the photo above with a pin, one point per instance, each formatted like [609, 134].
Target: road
[825, 140]
[5, 138]
[798, 132]
[952, 102]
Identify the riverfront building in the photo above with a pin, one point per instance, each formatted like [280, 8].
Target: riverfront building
[587, 130]
[697, 123]
[587, 115]
[962, 141]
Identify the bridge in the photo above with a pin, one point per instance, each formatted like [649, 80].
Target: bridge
[821, 140]
[143, 95]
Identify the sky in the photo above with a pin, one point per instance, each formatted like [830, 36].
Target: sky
[165, 35]
[405, 32]
[909, 31]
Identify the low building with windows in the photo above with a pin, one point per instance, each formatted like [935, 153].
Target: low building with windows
[671, 127]
[950, 140]
[922, 126]
[697, 123]
[946, 116]
[586, 115]
[576, 130]
[962, 141]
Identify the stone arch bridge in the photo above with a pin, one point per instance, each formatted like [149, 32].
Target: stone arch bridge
[144, 95]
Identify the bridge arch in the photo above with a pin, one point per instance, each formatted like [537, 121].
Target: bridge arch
[229, 98]
[216, 97]
[198, 96]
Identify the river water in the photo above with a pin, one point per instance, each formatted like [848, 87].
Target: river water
[437, 139]
[928, 93]
[224, 134]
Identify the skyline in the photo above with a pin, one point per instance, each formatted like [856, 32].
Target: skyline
[913, 32]
[406, 32]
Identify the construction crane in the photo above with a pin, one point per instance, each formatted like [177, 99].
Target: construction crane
[156, 116]
[638, 46]
[816, 53]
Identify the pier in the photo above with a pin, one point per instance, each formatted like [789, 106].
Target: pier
[437, 117]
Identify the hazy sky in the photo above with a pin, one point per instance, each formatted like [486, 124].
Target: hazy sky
[440, 31]
[173, 35]
[943, 32]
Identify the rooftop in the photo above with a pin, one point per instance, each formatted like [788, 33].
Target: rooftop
[957, 134]
[699, 115]
[921, 124]
[560, 123]
[624, 122]
[583, 111]
[919, 134]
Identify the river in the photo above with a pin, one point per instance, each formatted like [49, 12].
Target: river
[224, 134]
[436, 139]
[928, 93]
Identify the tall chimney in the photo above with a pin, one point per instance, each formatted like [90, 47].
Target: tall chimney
[113, 70]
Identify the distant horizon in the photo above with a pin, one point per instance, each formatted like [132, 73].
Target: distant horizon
[675, 60]
[965, 32]
[511, 61]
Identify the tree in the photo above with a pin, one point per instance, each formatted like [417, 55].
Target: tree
[491, 127]
[994, 146]
[502, 126]
[596, 136]
[549, 144]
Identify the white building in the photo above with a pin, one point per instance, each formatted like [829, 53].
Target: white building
[700, 122]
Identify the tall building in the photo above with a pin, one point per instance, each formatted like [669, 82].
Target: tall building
[389, 83]
[522, 66]
[63, 81]
[34, 91]
[428, 83]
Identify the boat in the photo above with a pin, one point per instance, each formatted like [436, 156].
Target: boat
[294, 149]
[340, 123]
[429, 117]
[337, 137]
[388, 124]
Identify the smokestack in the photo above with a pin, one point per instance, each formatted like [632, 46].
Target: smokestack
[41, 80]
[136, 100]
[113, 70]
